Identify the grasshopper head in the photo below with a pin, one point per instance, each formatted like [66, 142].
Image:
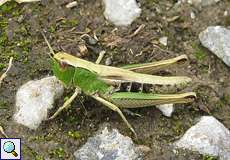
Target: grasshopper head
[61, 58]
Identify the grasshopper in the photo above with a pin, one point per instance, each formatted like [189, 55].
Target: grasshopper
[104, 83]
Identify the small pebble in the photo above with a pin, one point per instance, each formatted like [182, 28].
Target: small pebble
[192, 15]
[71, 4]
[164, 41]
[20, 18]
[89, 40]
[108, 61]
[83, 49]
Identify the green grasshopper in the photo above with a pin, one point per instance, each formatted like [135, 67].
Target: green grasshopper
[103, 83]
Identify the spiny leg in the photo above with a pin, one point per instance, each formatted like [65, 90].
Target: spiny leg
[66, 104]
[116, 109]
[100, 57]
[129, 112]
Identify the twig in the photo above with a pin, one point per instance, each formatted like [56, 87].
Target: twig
[136, 31]
[2, 132]
[49, 46]
[71, 4]
[5, 73]
[100, 57]
[163, 50]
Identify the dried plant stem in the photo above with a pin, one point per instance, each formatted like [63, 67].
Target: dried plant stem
[136, 31]
[5, 73]
[19, 1]
[100, 57]
[2, 132]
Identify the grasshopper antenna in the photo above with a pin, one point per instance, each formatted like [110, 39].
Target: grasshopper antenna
[48, 44]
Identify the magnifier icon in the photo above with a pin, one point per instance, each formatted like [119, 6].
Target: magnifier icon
[9, 147]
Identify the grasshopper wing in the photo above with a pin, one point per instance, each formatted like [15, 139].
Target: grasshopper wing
[155, 66]
[110, 74]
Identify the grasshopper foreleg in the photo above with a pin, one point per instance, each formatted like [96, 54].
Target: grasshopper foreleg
[66, 104]
[116, 109]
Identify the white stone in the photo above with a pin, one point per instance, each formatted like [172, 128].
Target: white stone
[33, 100]
[192, 15]
[208, 137]
[225, 13]
[71, 4]
[166, 109]
[164, 41]
[216, 39]
[109, 145]
[121, 12]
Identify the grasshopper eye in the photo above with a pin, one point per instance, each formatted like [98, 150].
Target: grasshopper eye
[63, 65]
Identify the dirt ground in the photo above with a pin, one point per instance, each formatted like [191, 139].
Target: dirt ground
[20, 37]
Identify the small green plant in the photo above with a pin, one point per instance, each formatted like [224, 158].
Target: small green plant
[199, 52]
[58, 153]
[74, 134]
[209, 158]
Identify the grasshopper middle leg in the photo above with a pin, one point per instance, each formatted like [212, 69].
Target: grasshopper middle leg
[116, 109]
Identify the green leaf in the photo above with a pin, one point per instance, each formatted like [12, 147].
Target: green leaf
[63, 74]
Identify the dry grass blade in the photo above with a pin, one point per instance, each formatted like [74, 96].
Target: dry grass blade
[19, 1]
[3, 1]
[22, 1]
[2, 132]
[7, 70]
[71, 4]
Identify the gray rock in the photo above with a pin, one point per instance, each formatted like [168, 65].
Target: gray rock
[208, 136]
[216, 39]
[164, 41]
[108, 145]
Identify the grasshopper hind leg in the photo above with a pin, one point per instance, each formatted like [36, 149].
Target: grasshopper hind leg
[116, 109]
